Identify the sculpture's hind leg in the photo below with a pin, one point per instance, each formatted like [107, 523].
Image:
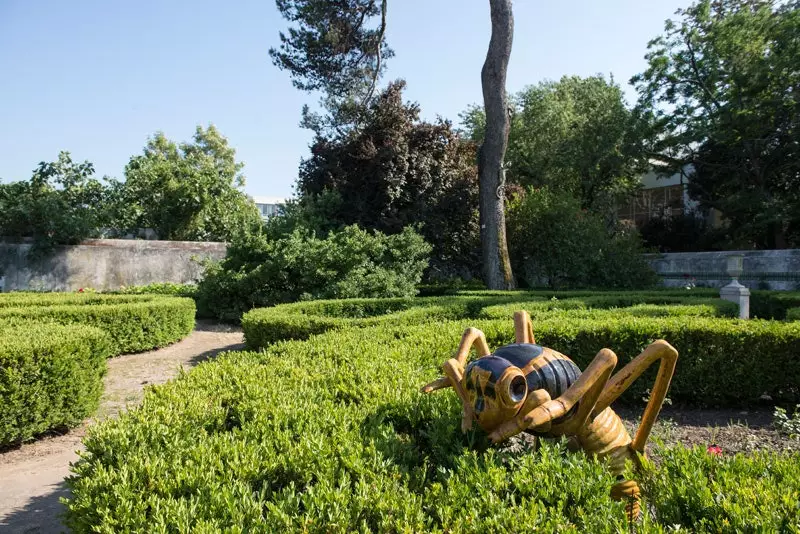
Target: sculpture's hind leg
[668, 356]
[657, 351]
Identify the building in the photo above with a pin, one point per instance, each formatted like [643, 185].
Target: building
[663, 196]
[269, 206]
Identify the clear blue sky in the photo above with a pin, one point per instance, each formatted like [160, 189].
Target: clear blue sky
[97, 78]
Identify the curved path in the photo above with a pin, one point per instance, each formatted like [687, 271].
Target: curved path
[32, 476]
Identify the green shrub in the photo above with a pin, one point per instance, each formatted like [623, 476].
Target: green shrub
[793, 314]
[707, 493]
[351, 263]
[263, 326]
[332, 435]
[161, 288]
[554, 243]
[724, 362]
[135, 326]
[617, 305]
[51, 377]
[786, 424]
[30, 299]
[773, 304]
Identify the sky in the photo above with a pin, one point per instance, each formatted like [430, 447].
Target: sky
[97, 78]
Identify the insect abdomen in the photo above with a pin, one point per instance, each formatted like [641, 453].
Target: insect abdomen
[553, 372]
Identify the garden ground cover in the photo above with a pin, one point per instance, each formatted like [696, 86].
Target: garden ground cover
[331, 434]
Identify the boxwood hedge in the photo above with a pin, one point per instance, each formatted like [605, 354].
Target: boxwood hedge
[18, 299]
[724, 362]
[263, 326]
[134, 322]
[50, 377]
[332, 435]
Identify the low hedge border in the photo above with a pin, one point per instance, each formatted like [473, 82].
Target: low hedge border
[332, 435]
[30, 299]
[298, 321]
[133, 326]
[589, 307]
[724, 362]
[51, 377]
[263, 326]
[773, 304]
[793, 314]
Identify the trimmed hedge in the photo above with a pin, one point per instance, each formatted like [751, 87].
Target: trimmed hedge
[50, 377]
[31, 299]
[161, 288]
[263, 326]
[138, 324]
[793, 314]
[773, 304]
[724, 362]
[332, 435]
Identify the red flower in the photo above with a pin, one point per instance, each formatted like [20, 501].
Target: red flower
[80, 290]
[716, 450]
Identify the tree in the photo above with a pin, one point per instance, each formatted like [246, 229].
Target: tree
[190, 191]
[396, 171]
[61, 204]
[576, 135]
[333, 49]
[723, 90]
[491, 156]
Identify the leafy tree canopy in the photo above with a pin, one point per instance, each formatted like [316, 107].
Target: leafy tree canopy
[61, 204]
[397, 171]
[337, 48]
[188, 191]
[576, 135]
[722, 87]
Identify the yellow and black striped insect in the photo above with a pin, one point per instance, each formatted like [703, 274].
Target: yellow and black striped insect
[527, 387]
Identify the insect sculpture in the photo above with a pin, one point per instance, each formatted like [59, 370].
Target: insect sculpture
[527, 387]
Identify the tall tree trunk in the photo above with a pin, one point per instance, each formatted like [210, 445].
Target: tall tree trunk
[496, 264]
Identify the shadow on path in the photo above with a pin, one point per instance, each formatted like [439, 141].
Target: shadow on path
[40, 514]
[207, 355]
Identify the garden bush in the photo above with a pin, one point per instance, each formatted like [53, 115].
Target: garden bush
[333, 435]
[161, 288]
[724, 362]
[134, 323]
[19, 299]
[773, 304]
[350, 263]
[263, 326]
[554, 243]
[51, 377]
[793, 314]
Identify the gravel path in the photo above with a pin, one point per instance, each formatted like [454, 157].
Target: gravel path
[32, 476]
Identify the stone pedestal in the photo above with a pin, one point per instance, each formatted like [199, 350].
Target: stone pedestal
[736, 292]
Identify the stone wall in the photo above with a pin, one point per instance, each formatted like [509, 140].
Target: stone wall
[763, 269]
[104, 264]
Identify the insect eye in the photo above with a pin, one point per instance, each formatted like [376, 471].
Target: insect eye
[517, 388]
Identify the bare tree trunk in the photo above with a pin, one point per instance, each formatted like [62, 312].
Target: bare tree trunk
[496, 264]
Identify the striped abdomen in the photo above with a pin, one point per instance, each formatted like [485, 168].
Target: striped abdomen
[544, 368]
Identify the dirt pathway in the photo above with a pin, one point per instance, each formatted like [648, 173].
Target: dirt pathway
[32, 476]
